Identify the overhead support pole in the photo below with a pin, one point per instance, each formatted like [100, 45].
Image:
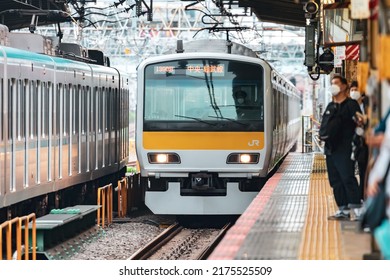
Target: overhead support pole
[149, 9]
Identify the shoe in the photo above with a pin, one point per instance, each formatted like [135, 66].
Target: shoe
[339, 216]
[357, 212]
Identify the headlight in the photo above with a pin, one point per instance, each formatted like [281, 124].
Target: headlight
[250, 158]
[163, 158]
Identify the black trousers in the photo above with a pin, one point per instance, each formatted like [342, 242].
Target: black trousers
[362, 164]
[341, 174]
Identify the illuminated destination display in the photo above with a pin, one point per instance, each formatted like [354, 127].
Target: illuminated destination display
[205, 69]
[192, 69]
[164, 69]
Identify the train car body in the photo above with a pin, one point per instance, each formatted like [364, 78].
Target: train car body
[210, 127]
[64, 123]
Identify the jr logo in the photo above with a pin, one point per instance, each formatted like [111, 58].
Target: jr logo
[254, 143]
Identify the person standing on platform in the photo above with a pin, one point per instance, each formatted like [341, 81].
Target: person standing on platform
[340, 167]
[360, 148]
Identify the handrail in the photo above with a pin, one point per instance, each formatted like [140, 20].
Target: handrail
[122, 197]
[105, 200]
[7, 225]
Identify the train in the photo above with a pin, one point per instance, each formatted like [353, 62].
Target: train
[64, 120]
[213, 121]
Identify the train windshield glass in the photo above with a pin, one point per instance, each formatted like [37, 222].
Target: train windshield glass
[204, 94]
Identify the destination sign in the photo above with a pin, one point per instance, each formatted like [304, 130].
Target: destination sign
[192, 69]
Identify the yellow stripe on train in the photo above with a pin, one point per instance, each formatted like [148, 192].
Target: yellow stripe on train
[203, 140]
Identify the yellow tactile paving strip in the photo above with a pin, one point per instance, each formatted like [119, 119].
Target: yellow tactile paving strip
[321, 239]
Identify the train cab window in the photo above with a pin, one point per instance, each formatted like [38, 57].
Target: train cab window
[200, 94]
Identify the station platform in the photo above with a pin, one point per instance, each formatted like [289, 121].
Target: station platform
[288, 219]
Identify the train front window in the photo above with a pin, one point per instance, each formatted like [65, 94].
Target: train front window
[199, 95]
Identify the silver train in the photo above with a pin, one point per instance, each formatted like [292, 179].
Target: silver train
[213, 121]
[63, 123]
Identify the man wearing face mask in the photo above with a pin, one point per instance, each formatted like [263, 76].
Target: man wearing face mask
[359, 97]
[242, 107]
[341, 169]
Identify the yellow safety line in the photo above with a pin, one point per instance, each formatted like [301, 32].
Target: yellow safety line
[321, 239]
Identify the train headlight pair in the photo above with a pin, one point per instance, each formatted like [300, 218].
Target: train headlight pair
[247, 158]
[162, 158]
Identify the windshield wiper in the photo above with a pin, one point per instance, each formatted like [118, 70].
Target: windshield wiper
[232, 120]
[196, 119]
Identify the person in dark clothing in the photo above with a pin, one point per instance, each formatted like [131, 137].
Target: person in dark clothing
[359, 145]
[245, 110]
[341, 169]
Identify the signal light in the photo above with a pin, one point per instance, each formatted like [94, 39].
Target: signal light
[326, 61]
[311, 7]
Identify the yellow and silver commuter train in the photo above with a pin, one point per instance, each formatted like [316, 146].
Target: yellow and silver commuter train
[213, 120]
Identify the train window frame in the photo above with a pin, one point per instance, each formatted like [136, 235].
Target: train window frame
[58, 113]
[178, 119]
[45, 109]
[66, 109]
[20, 110]
[84, 110]
[10, 108]
[75, 109]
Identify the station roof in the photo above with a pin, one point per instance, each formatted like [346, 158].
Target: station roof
[19, 14]
[289, 12]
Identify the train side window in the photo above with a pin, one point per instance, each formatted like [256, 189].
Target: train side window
[84, 110]
[21, 109]
[101, 109]
[114, 119]
[93, 109]
[11, 89]
[107, 114]
[45, 109]
[76, 108]
[280, 108]
[65, 109]
[58, 116]
[33, 108]
[275, 113]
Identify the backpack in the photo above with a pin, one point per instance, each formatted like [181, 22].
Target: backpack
[331, 125]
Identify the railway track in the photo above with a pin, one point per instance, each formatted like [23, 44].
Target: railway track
[179, 243]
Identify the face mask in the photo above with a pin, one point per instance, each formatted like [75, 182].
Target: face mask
[334, 90]
[355, 94]
[240, 100]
